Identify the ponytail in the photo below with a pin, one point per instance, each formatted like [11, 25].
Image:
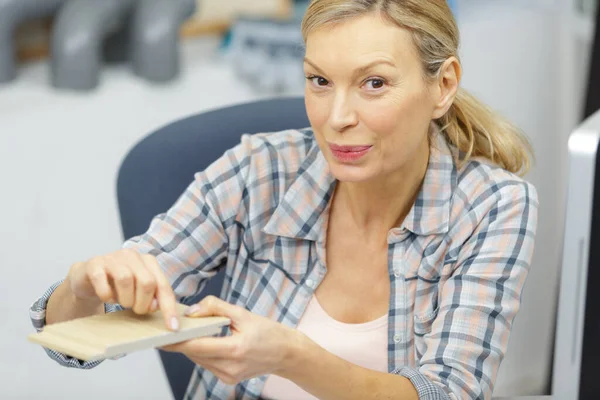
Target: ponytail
[477, 131]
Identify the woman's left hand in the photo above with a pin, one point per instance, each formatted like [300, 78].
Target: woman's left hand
[257, 345]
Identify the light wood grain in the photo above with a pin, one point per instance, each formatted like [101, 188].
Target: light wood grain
[109, 335]
[216, 17]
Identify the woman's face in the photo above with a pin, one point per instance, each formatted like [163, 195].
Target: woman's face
[366, 98]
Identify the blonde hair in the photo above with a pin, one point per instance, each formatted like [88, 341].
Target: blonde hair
[469, 125]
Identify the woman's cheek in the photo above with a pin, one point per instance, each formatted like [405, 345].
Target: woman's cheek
[382, 119]
[316, 110]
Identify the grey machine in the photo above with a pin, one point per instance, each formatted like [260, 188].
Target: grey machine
[144, 31]
[12, 14]
[87, 32]
[577, 343]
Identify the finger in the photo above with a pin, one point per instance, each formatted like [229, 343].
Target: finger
[225, 370]
[220, 368]
[123, 281]
[207, 347]
[213, 306]
[99, 281]
[145, 283]
[164, 293]
[154, 305]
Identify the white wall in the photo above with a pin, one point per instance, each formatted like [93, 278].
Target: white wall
[60, 153]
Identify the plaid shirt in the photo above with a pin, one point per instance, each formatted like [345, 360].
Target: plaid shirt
[457, 264]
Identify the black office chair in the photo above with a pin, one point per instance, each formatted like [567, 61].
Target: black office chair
[159, 168]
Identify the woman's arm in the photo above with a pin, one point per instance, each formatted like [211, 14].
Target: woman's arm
[326, 376]
[260, 346]
[479, 301]
[189, 241]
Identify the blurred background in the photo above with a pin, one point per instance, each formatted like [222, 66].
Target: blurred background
[82, 81]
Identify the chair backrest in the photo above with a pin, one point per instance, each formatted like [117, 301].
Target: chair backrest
[159, 168]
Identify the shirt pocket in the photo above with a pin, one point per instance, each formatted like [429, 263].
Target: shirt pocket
[422, 327]
[426, 311]
[426, 298]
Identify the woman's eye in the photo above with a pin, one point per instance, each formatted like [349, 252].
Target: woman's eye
[318, 81]
[375, 83]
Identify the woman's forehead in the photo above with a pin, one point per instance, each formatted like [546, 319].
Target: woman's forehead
[360, 40]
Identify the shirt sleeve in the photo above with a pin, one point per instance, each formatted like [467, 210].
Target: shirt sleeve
[479, 302]
[37, 313]
[190, 240]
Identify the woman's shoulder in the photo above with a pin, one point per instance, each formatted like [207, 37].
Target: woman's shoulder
[481, 178]
[484, 190]
[477, 184]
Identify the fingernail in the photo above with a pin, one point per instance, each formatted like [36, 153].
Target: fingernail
[174, 323]
[154, 305]
[192, 309]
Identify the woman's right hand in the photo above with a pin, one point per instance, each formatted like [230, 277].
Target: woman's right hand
[128, 278]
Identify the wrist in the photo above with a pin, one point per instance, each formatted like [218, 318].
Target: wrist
[295, 351]
[64, 305]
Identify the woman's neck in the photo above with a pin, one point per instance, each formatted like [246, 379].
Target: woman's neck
[376, 206]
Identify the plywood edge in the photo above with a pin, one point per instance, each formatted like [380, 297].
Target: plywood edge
[69, 346]
[162, 340]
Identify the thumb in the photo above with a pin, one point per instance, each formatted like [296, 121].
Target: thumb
[212, 306]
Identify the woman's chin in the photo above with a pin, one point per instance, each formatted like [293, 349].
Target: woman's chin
[351, 173]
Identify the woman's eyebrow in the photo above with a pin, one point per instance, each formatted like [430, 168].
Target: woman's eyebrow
[312, 64]
[358, 71]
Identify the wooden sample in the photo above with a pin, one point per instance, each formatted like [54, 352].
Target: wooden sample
[109, 335]
[33, 40]
[215, 17]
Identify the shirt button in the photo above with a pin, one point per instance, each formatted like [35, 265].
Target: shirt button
[397, 338]
[310, 283]
[397, 272]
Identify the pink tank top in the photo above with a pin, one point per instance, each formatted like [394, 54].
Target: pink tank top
[361, 344]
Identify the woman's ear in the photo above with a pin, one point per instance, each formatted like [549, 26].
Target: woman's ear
[448, 82]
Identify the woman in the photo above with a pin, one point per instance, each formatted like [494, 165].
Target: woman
[379, 254]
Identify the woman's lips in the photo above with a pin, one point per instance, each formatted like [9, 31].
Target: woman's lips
[349, 153]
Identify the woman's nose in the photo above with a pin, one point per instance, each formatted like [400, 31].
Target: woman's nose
[342, 114]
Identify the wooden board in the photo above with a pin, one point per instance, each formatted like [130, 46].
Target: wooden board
[109, 335]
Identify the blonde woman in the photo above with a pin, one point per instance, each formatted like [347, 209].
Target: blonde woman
[379, 254]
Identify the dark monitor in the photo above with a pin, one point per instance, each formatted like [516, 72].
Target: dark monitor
[592, 99]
